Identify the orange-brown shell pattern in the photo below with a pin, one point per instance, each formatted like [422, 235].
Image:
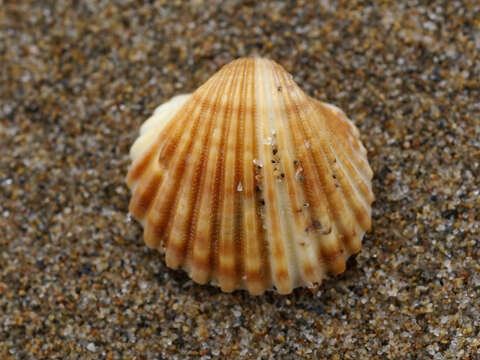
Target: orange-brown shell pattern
[248, 183]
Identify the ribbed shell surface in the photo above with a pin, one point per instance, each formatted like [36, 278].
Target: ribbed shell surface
[248, 183]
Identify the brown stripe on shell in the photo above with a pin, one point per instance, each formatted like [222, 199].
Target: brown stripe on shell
[338, 218]
[176, 156]
[181, 227]
[238, 218]
[225, 278]
[227, 257]
[253, 242]
[330, 250]
[355, 205]
[152, 172]
[341, 214]
[145, 193]
[139, 167]
[205, 205]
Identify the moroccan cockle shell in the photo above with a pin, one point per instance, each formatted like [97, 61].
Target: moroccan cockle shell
[248, 183]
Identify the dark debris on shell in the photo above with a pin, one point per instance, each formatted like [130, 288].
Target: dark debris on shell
[78, 78]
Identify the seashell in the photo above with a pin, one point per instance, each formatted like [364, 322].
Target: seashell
[248, 183]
